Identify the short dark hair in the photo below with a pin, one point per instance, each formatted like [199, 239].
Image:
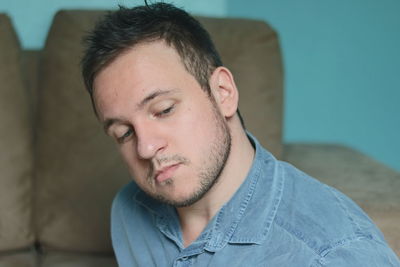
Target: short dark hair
[122, 29]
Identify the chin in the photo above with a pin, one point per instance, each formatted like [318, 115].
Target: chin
[184, 200]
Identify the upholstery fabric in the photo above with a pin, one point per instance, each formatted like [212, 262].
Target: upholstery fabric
[372, 185]
[30, 60]
[65, 259]
[15, 145]
[248, 47]
[19, 259]
[72, 150]
[78, 168]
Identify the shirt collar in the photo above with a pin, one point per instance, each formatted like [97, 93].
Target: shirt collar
[247, 217]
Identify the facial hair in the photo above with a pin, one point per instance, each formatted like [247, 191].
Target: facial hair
[213, 164]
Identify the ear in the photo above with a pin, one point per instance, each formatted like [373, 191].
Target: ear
[224, 90]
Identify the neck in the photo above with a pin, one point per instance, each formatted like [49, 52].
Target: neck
[194, 218]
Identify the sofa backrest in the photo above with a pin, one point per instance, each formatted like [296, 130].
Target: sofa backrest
[78, 169]
[250, 49]
[16, 230]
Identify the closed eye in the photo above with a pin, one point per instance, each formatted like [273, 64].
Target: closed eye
[126, 135]
[164, 112]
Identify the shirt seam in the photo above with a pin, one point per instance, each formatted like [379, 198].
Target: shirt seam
[278, 198]
[321, 257]
[321, 254]
[297, 236]
[241, 211]
[357, 228]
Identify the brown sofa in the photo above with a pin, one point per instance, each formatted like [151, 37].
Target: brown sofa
[59, 172]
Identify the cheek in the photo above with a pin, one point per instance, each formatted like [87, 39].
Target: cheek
[195, 130]
[190, 123]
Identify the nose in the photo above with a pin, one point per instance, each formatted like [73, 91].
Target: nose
[150, 141]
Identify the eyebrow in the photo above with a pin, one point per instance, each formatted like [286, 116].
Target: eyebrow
[157, 93]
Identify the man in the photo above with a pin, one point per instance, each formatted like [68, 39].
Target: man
[205, 193]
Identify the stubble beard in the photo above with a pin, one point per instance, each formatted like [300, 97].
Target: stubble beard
[214, 164]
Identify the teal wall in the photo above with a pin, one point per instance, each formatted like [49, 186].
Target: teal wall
[32, 18]
[342, 62]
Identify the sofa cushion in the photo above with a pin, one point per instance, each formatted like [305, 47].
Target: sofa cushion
[372, 185]
[19, 259]
[65, 259]
[15, 145]
[250, 49]
[78, 170]
[30, 60]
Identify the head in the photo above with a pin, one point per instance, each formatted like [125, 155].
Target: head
[125, 28]
[158, 86]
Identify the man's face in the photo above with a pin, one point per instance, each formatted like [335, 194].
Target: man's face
[169, 131]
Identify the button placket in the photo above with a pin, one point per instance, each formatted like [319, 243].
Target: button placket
[183, 262]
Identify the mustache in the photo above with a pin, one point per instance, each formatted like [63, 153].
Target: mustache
[165, 160]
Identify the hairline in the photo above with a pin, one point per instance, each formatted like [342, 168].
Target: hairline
[123, 50]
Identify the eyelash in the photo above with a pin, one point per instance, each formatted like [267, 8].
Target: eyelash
[124, 136]
[164, 112]
[161, 114]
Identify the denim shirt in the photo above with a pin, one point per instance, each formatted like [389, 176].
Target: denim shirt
[278, 217]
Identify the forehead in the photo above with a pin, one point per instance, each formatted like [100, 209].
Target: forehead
[138, 60]
[138, 71]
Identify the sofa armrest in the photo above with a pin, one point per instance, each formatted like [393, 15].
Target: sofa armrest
[374, 186]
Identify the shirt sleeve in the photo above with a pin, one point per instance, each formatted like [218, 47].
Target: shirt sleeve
[360, 252]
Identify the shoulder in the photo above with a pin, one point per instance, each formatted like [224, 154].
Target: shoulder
[125, 195]
[128, 215]
[124, 200]
[352, 252]
[131, 205]
[326, 221]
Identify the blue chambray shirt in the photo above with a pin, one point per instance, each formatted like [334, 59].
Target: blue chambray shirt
[278, 217]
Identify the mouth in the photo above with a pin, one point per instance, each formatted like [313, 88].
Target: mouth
[166, 172]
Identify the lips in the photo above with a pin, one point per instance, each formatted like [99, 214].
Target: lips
[166, 172]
